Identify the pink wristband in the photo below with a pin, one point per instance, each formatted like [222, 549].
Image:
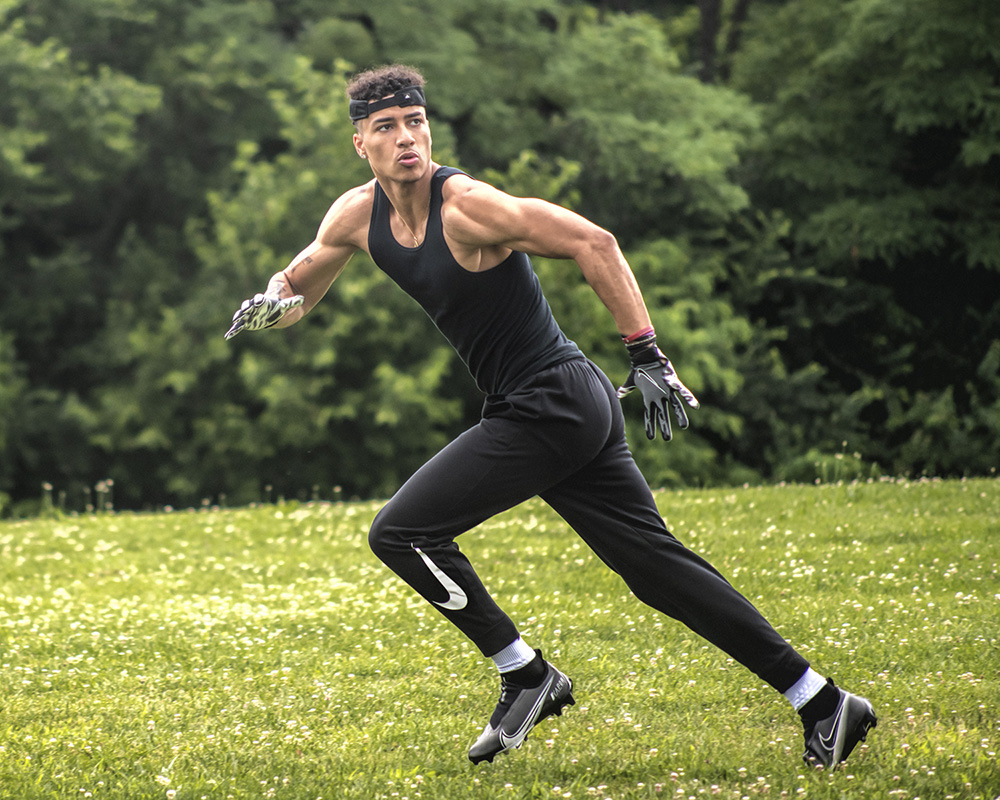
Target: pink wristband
[637, 335]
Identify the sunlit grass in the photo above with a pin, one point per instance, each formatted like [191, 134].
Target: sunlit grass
[265, 652]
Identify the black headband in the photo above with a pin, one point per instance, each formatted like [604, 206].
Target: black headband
[410, 96]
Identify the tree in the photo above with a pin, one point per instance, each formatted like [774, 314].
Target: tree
[231, 140]
[116, 117]
[882, 146]
[160, 160]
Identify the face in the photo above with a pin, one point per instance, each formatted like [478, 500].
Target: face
[397, 143]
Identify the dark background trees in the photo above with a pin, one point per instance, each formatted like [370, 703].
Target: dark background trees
[807, 191]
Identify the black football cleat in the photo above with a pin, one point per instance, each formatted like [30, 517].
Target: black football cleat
[518, 711]
[833, 739]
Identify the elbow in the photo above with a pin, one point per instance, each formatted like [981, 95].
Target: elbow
[601, 246]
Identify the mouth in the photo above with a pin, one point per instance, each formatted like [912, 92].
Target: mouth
[408, 159]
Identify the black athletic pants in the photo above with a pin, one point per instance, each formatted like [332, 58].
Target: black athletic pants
[562, 436]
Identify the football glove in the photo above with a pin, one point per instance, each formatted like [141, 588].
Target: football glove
[262, 311]
[654, 376]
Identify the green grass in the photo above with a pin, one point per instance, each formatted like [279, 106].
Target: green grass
[265, 652]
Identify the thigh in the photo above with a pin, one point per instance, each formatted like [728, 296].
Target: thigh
[609, 504]
[527, 442]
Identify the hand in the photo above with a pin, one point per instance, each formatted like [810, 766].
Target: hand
[659, 385]
[262, 311]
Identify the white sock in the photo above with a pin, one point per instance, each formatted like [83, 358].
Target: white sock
[805, 688]
[514, 656]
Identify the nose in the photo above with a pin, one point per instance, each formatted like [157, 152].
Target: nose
[405, 137]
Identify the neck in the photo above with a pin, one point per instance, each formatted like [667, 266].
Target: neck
[411, 201]
[404, 193]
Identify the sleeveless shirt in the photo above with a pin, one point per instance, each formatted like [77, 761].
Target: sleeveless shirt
[498, 320]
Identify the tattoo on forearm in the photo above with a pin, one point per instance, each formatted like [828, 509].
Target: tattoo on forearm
[291, 271]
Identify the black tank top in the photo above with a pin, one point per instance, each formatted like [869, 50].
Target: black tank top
[497, 320]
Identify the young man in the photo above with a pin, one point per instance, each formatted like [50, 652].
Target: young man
[551, 425]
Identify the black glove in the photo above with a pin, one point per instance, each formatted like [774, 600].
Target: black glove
[653, 375]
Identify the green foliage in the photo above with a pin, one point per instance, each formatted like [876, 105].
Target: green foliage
[666, 142]
[816, 240]
[84, 121]
[12, 387]
[126, 115]
[881, 122]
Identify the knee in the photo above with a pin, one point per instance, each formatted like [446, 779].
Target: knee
[378, 535]
[384, 537]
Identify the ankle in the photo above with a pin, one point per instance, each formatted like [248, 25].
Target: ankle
[822, 705]
[530, 675]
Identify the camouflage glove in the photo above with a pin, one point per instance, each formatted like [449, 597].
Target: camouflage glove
[262, 311]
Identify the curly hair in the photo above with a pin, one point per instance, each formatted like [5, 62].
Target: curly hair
[374, 84]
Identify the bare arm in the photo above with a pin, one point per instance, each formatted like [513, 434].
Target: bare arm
[310, 274]
[485, 222]
[478, 216]
[317, 266]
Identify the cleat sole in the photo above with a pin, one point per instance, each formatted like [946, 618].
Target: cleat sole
[861, 733]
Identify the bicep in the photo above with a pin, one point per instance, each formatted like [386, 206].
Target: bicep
[489, 217]
[543, 229]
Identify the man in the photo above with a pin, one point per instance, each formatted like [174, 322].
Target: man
[551, 425]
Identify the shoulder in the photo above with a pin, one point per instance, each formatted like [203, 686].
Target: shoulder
[471, 206]
[346, 222]
[461, 190]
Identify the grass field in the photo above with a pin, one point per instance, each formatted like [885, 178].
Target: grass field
[266, 653]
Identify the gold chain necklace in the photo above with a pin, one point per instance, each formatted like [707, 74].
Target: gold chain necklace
[416, 242]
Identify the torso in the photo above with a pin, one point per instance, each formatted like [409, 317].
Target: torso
[488, 305]
[473, 259]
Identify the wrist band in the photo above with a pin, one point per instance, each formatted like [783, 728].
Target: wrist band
[632, 337]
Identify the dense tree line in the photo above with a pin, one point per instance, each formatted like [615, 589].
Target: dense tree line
[807, 191]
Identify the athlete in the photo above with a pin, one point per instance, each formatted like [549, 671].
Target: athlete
[551, 425]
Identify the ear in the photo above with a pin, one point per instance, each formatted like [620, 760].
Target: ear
[359, 145]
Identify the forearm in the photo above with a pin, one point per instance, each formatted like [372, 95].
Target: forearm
[610, 276]
[310, 274]
[281, 286]
[292, 292]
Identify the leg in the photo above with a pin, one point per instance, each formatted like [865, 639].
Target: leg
[526, 441]
[611, 508]
[609, 504]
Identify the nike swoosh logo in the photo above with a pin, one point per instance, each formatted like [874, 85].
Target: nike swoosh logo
[457, 599]
[828, 741]
[518, 736]
[651, 382]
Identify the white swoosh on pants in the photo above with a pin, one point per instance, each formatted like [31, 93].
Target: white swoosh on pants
[457, 599]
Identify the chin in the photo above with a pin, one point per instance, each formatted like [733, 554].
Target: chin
[410, 174]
